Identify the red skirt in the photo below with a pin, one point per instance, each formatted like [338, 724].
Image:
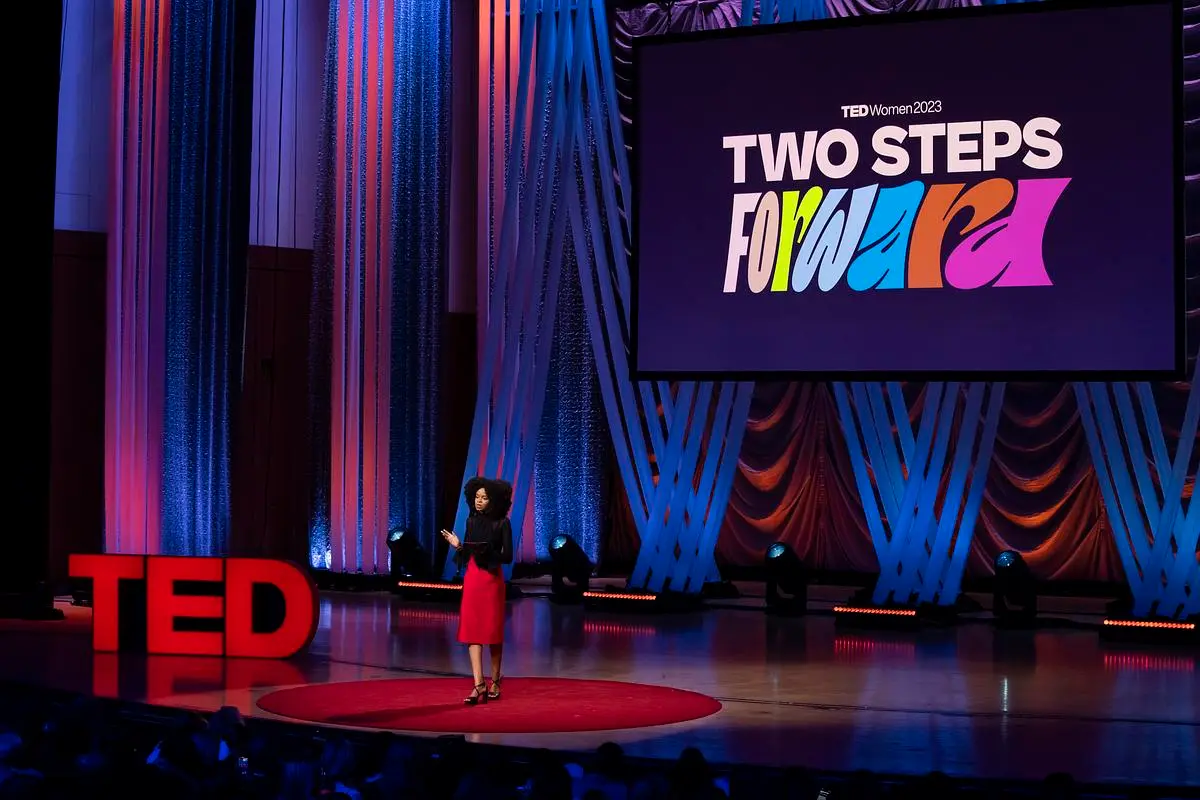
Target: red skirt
[481, 618]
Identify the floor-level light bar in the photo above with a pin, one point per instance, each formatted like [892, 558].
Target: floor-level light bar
[852, 614]
[1152, 631]
[627, 601]
[860, 613]
[437, 591]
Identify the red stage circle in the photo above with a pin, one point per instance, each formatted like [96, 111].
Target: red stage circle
[529, 705]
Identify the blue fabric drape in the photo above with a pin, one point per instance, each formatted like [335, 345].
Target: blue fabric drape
[420, 198]
[573, 445]
[211, 79]
[320, 341]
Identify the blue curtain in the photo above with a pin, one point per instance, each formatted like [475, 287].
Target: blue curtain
[573, 444]
[420, 198]
[210, 88]
[320, 341]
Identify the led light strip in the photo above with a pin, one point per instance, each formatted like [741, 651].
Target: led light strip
[883, 612]
[619, 596]
[1140, 623]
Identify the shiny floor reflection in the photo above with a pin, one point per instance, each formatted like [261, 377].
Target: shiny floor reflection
[967, 701]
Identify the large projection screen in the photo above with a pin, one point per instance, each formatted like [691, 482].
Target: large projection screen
[992, 193]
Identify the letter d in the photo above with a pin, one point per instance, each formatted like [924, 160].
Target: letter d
[299, 616]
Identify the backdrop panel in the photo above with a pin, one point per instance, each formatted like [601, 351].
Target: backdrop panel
[208, 213]
[379, 256]
[565, 174]
[289, 62]
[571, 450]
[136, 298]
[177, 248]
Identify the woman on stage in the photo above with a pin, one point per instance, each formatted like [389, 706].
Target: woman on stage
[486, 548]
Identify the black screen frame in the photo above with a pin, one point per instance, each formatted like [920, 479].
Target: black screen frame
[1178, 371]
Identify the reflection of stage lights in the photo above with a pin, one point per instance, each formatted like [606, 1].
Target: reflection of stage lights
[570, 570]
[860, 648]
[425, 617]
[409, 560]
[1149, 662]
[1152, 631]
[1014, 598]
[592, 627]
[787, 581]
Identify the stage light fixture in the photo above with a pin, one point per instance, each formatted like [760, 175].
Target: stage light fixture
[787, 581]
[409, 560]
[570, 570]
[1014, 596]
[412, 570]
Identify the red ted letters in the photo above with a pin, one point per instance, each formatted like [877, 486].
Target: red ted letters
[165, 604]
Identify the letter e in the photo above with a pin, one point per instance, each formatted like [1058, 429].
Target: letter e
[164, 606]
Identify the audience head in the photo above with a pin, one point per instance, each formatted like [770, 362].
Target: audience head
[551, 781]
[1059, 786]
[610, 760]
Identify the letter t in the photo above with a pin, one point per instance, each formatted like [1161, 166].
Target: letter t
[106, 573]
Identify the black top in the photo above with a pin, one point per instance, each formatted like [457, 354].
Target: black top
[488, 538]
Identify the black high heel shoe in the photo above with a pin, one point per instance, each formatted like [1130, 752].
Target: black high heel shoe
[494, 692]
[478, 695]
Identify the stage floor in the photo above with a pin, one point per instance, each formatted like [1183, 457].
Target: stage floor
[967, 700]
